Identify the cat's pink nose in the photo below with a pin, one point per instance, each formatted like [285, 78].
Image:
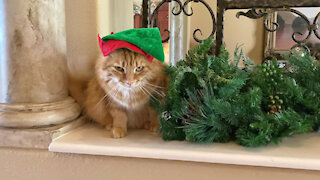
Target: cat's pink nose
[129, 82]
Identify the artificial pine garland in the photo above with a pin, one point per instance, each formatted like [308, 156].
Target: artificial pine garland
[210, 99]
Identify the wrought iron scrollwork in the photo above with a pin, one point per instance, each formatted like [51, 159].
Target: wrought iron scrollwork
[252, 13]
[211, 13]
[257, 14]
[155, 12]
[176, 10]
[312, 27]
[315, 23]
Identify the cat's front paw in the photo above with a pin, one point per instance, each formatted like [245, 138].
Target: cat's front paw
[151, 126]
[118, 132]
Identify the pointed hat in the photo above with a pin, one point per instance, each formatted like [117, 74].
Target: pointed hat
[146, 41]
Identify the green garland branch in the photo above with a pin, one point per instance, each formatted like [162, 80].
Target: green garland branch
[210, 99]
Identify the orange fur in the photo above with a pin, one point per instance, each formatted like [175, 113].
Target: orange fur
[118, 95]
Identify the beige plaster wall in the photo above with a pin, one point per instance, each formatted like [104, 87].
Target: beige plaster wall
[243, 31]
[81, 25]
[114, 15]
[23, 164]
[84, 21]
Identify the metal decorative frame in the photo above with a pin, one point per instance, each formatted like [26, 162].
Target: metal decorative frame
[257, 9]
[312, 28]
[267, 9]
[177, 10]
[272, 26]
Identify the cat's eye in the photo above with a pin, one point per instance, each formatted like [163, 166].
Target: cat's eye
[139, 68]
[118, 68]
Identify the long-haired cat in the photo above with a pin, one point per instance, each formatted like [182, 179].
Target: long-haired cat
[118, 95]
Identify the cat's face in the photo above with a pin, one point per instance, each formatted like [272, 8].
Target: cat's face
[125, 73]
[128, 69]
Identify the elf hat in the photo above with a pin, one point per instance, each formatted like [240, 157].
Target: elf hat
[146, 41]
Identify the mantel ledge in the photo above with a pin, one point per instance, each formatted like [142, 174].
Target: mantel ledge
[296, 152]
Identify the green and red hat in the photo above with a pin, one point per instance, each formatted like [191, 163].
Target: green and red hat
[146, 41]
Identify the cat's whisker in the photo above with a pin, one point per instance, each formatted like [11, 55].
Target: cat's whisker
[112, 95]
[160, 93]
[153, 85]
[96, 106]
[152, 96]
[109, 100]
[146, 92]
[103, 98]
[143, 90]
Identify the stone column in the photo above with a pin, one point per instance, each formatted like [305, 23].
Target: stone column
[179, 34]
[33, 74]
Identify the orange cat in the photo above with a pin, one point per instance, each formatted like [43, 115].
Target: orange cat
[118, 95]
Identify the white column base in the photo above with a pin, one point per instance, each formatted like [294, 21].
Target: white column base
[38, 115]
